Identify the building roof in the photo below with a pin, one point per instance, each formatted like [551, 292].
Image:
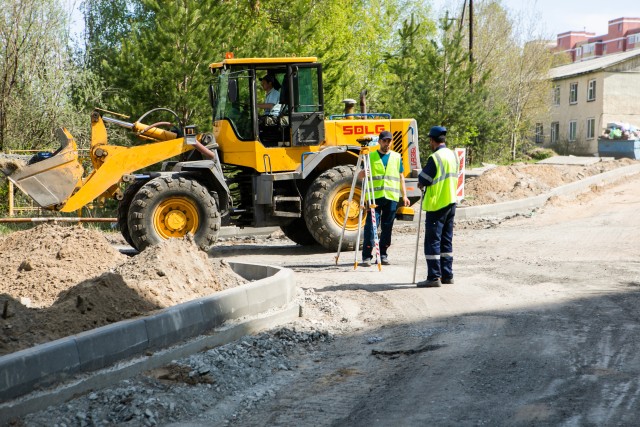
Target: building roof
[592, 65]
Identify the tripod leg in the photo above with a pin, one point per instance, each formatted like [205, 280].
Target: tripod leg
[415, 258]
[376, 241]
[360, 210]
[372, 204]
[346, 214]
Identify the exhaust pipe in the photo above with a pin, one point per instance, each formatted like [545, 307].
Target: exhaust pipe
[363, 101]
[349, 108]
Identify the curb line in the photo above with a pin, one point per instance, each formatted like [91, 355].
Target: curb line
[33, 376]
[526, 205]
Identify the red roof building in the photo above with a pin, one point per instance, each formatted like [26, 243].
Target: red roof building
[623, 35]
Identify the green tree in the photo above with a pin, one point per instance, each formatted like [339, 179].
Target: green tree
[106, 24]
[432, 84]
[159, 56]
[41, 87]
[34, 62]
[517, 57]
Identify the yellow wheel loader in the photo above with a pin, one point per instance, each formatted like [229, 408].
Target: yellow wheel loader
[292, 168]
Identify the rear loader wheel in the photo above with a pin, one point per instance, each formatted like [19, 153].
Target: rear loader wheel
[297, 231]
[170, 207]
[326, 206]
[123, 209]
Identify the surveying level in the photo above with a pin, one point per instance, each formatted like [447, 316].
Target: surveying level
[366, 195]
[405, 213]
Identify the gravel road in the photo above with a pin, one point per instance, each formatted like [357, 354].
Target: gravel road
[540, 328]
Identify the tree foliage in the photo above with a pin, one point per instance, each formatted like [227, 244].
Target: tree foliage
[513, 52]
[141, 54]
[34, 73]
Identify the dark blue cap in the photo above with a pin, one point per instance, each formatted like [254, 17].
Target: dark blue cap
[385, 134]
[437, 131]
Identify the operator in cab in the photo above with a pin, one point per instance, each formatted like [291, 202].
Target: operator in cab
[270, 85]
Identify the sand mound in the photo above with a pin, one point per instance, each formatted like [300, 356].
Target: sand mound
[164, 275]
[37, 264]
[9, 163]
[514, 182]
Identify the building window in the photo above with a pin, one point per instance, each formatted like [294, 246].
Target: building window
[619, 44]
[591, 91]
[555, 131]
[539, 133]
[591, 128]
[573, 126]
[556, 94]
[604, 49]
[573, 93]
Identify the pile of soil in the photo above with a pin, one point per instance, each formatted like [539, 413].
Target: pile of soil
[39, 263]
[64, 280]
[10, 163]
[520, 181]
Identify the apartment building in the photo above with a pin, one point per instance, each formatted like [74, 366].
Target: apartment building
[623, 35]
[586, 96]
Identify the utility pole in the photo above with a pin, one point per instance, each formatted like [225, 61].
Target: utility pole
[464, 7]
[471, 41]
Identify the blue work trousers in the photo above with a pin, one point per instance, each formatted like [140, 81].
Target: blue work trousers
[438, 242]
[385, 215]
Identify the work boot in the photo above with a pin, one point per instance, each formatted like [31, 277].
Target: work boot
[435, 283]
[384, 260]
[447, 280]
[366, 262]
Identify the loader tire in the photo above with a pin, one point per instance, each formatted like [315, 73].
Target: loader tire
[170, 207]
[297, 231]
[123, 209]
[325, 208]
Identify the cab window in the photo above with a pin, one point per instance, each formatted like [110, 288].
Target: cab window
[306, 91]
[234, 102]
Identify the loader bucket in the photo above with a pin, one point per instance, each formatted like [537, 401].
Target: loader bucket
[50, 182]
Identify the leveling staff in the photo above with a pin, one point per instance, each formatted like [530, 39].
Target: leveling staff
[388, 185]
[440, 177]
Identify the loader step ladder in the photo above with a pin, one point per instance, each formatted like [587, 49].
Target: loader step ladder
[287, 206]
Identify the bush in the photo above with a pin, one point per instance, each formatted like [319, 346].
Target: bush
[541, 153]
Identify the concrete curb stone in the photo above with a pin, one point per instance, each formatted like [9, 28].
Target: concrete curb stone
[526, 205]
[37, 368]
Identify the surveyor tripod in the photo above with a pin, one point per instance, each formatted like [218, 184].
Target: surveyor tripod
[366, 196]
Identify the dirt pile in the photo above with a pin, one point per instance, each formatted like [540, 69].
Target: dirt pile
[520, 181]
[100, 286]
[38, 264]
[9, 163]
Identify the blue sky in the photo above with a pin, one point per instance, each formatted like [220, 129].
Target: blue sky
[559, 16]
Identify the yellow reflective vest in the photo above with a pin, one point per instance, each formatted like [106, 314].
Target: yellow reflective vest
[386, 182]
[442, 191]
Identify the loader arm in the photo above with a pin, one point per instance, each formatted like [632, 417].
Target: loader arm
[112, 162]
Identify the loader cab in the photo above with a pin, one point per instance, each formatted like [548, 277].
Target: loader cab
[296, 121]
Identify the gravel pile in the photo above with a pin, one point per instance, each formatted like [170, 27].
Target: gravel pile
[231, 379]
[214, 386]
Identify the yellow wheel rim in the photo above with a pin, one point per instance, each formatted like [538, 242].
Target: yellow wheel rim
[339, 205]
[176, 217]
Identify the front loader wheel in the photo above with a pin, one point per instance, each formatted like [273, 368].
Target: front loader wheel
[170, 207]
[123, 209]
[326, 207]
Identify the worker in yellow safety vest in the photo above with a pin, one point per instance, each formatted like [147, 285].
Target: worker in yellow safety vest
[440, 178]
[389, 187]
